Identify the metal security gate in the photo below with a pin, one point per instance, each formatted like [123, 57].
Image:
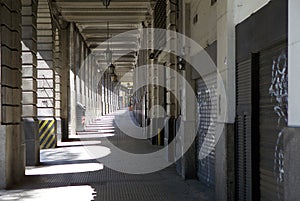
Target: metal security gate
[261, 88]
[273, 118]
[261, 98]
[246, 135]
[205, 140]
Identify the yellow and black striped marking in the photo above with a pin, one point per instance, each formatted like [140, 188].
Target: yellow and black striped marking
[47, 134]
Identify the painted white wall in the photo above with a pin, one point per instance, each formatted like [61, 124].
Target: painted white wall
[244, 8]
[226, 60]
[229, 14]
[204, 32]
[218, 22]
[294, 63]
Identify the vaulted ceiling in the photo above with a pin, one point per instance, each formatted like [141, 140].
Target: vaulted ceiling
[91, 17]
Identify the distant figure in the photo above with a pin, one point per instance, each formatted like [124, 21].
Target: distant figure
[83, 120]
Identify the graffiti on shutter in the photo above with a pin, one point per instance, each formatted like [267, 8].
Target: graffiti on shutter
[279, 92]
[205, 141]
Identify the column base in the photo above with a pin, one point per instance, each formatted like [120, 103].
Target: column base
[30, 129]
[170, 132]
[12, 155]
[157, 131]
[47, 133]
[64, 130]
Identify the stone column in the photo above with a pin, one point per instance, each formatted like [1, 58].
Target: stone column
[29, 81]
[65, 82]
[46, 76]
[110, 94]
[149, 86]
[171, 77]
[45, 68]
[72, 89]
[224, 152]
[87, 77]
[103, 95]
[187, 100]
[91, 80]
[82, 72]
[58, 79]
[77, 65]
[107, 92]
[12, 142]
[88, 86]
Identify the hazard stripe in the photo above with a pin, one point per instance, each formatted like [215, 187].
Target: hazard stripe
[51, 142]
[47, 134]
[43, 145]
[44, 124]
[43, 134]
[46, 131]
[45, 127]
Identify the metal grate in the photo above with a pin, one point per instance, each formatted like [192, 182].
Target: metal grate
[160, 22]
[207, 113]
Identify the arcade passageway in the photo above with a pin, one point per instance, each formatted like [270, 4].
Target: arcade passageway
[149, 100]
[72, 172]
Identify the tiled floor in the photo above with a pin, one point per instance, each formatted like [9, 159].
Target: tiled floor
[71, 172]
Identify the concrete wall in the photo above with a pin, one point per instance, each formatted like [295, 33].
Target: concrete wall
[294, 63]
[291, 139]
[244, 8]
[12, 151]
[291, 143]
[203, 22]
[208, 24]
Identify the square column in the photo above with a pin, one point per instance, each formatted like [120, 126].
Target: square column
[29, 82]
[12, 142]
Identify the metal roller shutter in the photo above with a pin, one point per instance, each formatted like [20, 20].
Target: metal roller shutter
[273, 117]
[245, 134]
[205, 141]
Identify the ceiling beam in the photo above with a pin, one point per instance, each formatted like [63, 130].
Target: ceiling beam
[114, 46]
[100, 1]
[120, 14]
[101, 31]
[104, 10]
[132, 19]
[100, 39]
[111, 24]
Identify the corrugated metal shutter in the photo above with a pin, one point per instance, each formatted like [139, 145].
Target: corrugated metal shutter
[207, 113]
[271, 185]
[243, 130]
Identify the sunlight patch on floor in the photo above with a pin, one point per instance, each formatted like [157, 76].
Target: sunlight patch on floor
[74, 193]
[63, 169]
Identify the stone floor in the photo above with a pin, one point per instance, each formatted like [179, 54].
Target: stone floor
[73, 172]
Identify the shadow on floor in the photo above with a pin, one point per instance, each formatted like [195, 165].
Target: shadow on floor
[71, 173]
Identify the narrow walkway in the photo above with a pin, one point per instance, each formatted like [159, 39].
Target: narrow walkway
[73, 172]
